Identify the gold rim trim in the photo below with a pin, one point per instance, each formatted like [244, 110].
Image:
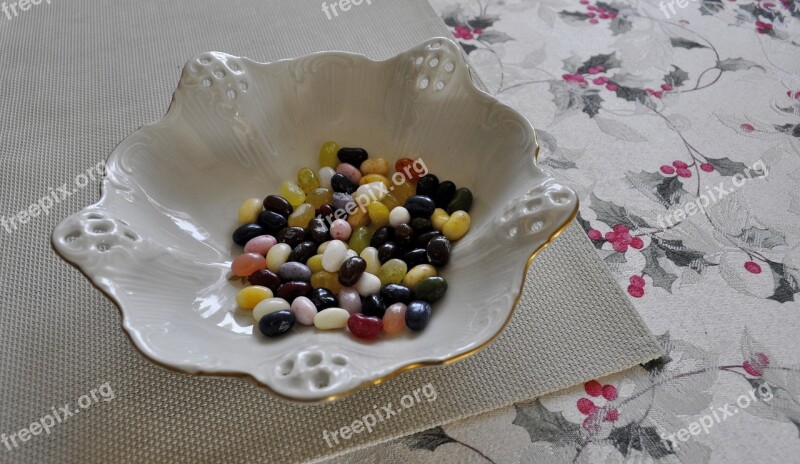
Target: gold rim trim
[407, 367]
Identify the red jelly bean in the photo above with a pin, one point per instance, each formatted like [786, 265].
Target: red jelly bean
[364, 326]
[405, 166]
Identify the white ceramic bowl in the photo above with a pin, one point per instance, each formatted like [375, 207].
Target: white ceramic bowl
[159, 240]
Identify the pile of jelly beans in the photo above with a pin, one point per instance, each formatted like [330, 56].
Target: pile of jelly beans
[349, 246]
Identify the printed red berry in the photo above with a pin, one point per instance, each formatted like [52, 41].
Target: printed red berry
[747, 127]
[611, 415]
[684, 173]
[611, 236]
[594, 21]
[637, 243]
[585, 406]
[621, 229]
[706, 167]
[620, 247]
[752, 369]
[595, 234]
[667, 169]
[637, 280]
[680, 164]
[609, 392]
[752, 267]
[635, 291]
[666, 87]
[593, 388]
[600, 80]
[611, 87]
[591, 424]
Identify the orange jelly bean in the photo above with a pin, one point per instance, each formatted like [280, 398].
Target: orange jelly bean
[246, 264]
[394, 320]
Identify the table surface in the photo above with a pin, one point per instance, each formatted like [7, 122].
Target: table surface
[679, 127]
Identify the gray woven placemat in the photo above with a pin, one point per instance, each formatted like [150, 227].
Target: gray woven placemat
[77, 78]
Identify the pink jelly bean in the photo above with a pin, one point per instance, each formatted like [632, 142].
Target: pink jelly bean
[248, 263]
[394, 320]
[260, 244]
[341, 230]
[350, 300]
[351, 172]
[304, 310]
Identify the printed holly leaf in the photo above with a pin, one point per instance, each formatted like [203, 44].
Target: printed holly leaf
[467, 47]
[633, 94]
[613, 258]
[676, 77]
[682, 256]
[785, 285]
[573, 16]
[645, 439]
[429, 439]
[709, 7]
[483, 21]
[726, 167]
[494, 37]
[761, 238]
[652, 267]
[666, 191]
[792, 129]
[656, 366]
[587, 227]
[618, 129]
[607, 61]
[557, 162]
[612, 214]
[685, 43]
[592, 102]
[620, 25]
[453, 16]
[543, 424]
[737, 64]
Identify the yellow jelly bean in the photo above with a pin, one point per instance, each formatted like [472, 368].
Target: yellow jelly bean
[307, 180]
[359, 218]
[249, 210]
[360, 238]
[301, 216]
[325, 279]
[393, 271]
[370, 255]
[249, 297]
[402, 191]
[391, 201]
[293, 193]
[417, 274]
[378, 214]
[315, 263]
[375, 166]
[370, 178]
[329, 155]
[439, 218]
[319, 197]
[457, 226]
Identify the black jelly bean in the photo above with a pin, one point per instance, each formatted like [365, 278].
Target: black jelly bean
[279, 205]
[324, 211]
[396, 293]
[427, 185]
[324, 299]
[462, 201]
[431, 289]
[271, 221]
[420, 206]
[291, 290]
[416, 257]
[354, 156]
[438, 250]
[292, 236]
[265, 278]
[421, 225]
[374, 306]
[418, 314]
[444, 194]
[318, 230]
[403, 234]
[342, 184]
[245, 233]
[423, 239]
[381, 236]
[277, 323]
[388, 251]
[351, 270]
[303, 252]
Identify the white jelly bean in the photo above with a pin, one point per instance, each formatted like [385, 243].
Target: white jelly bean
[304, 310]
[368, 284]
[322, 247]
[278, 255]
[334, 256]
[375, 191]
[370, 255]
[351, 253]
[399, 215]
[331, 318]
[324, 175]
[270, 305]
